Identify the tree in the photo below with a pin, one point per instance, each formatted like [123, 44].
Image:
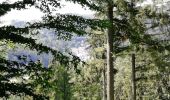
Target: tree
[64, 25]
[110, 68]
[130, 25]
[13, 69]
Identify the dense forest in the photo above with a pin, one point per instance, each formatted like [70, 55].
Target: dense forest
[120, 52]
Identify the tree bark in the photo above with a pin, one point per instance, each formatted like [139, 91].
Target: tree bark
[110, 71]
[133, 78]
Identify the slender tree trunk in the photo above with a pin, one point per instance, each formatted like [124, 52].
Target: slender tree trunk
[110, 72]
[133, 78]
[104, 84]
[133, 67]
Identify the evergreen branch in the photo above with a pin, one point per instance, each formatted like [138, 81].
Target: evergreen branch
[16, 88]
[70, 23]
[39, 47]
[5, 7]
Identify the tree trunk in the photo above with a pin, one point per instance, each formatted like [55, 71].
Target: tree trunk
[133, 78]
[104, 83]
[110, 72]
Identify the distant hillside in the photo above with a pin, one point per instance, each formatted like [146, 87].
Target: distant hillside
[77, 45]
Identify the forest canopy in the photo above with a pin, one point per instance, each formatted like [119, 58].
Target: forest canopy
[120, 52]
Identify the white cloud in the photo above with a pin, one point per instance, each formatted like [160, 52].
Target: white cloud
[35, 14]
[74, 9]
[146, 2]
[23, 15]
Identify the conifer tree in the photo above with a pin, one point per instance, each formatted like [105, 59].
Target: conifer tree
[130, 25]
[64, 26]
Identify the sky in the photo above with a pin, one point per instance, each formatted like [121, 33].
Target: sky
[35, 14]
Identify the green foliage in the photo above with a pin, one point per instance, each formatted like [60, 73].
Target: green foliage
[13, 78]
[56, 84]
[38, 76]
[131, 35]
[87, 84]
[64, 80]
